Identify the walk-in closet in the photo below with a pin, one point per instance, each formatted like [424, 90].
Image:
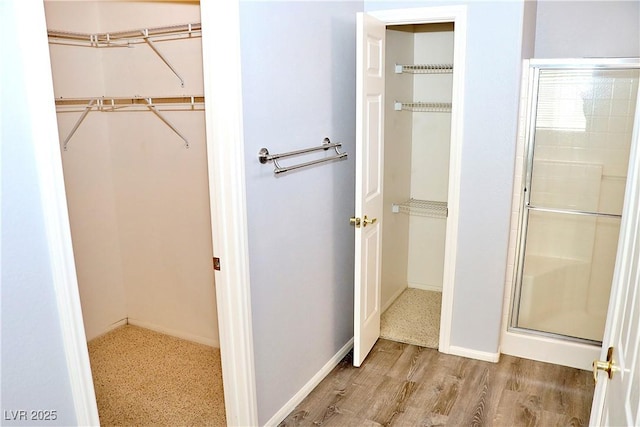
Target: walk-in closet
[418, 91]
[128, 85]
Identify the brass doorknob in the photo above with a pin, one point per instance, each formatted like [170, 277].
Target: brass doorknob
[368, 221]
[355, 221]
[609, 366]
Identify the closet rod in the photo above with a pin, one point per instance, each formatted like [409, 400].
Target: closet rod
[114, 104]
[264, 156]
[131, 36]
[131, 101]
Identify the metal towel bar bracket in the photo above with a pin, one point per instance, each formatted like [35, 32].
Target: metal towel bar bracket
[264, 156]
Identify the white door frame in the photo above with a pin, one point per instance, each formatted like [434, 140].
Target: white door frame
[457, 15]
[225, 148]
[31, 33]
[225, 153]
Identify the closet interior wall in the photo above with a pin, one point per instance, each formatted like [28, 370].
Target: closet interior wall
[416, 156]
[138, 199]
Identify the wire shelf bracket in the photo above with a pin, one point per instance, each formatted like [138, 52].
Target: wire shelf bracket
[164, 59]
[79, 122]
[166, 121]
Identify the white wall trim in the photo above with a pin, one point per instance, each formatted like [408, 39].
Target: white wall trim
[211, 342]
[474, 354]
[225, 156]
[107, 329]
[40, 99]
[392, 299]
[309, 386]
[117, 324]
[458, 15]
[425, 287]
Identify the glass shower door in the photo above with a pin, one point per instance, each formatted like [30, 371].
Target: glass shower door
[575, 177]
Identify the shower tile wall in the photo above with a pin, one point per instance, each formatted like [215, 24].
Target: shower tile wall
[604, 140]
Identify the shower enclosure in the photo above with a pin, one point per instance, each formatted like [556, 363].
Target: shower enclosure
[577, 140]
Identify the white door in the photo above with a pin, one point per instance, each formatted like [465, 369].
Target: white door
[617, 400]
[369, 169]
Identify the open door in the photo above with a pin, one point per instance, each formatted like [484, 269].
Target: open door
[616, 400]
[369, 169]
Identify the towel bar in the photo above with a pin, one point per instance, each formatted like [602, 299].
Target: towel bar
[264, 156]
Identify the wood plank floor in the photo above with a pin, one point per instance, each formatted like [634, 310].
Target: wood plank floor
[406, 385]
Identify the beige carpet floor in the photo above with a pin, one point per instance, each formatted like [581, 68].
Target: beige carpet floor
[413, 318]
[145, 378]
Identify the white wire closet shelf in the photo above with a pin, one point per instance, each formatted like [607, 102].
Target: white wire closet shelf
[129, 38]
[424, 68]
[425, 208]
[120, 104]
[423, 107]
[124, 38]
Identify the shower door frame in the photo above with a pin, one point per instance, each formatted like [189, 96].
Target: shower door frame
[524, 342]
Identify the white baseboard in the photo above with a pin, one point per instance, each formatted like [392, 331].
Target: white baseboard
[426, 287]
[108, 329]
[308, 387]
[474, 354]
[117, 324]
[175, 333]
[392, 299]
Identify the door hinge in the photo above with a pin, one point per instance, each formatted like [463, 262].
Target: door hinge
[216, 263]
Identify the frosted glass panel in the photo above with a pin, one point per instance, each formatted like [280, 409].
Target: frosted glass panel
[575, 194]
[566, 280]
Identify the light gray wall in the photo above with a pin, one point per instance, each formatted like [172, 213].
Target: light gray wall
[34, 370]
[575, 29]
[492, 88]
[298, 69]
[299, 87]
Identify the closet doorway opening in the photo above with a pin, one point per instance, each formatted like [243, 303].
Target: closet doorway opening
[410, 99]
[419, 70]
[128, 83]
